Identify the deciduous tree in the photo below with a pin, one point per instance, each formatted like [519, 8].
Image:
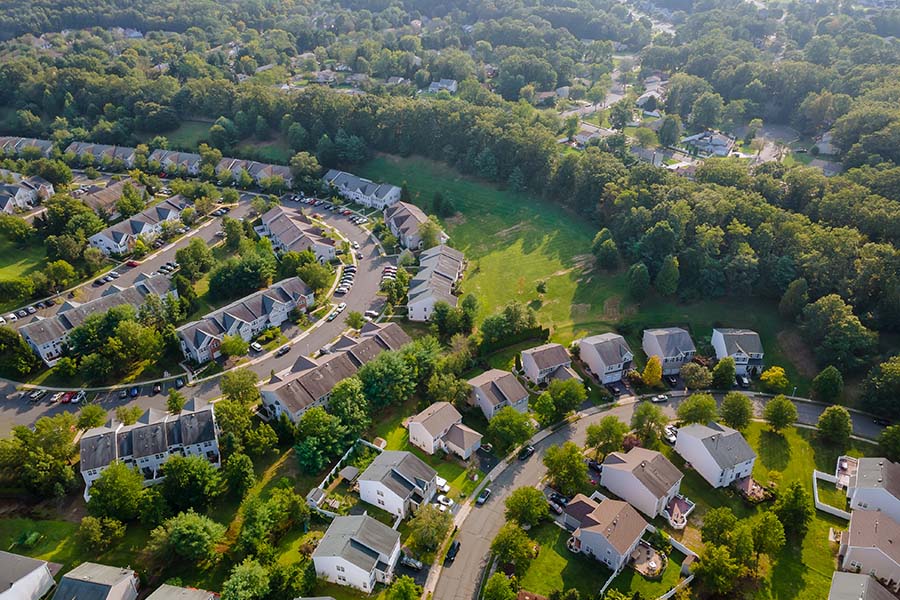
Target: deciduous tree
[652, 374]
[698, 408]
[828, 385]
[723, 374]
[566, 468]
[835, 426]
[780, 412]
[606, 436]
[527, 505]
[736, 410]
[187, 535]
[117, 493]
[513, 547]
[794, 509]
[429, 527]
[648, 422]
[696, 376]
[508, 428]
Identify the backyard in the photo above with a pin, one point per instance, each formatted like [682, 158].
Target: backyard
[557, 568]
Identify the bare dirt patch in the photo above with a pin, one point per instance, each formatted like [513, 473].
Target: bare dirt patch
[791, 344]
[457, 219]
[612, 308]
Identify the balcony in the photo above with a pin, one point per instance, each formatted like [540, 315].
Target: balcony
[677, 511]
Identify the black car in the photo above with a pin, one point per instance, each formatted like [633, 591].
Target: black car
[179, 383]
[881, 421]
[526, 452]
[673, 381]
[453, 551]
[409, 561]
[134, 392]
[593, 465]
[283, 350]
[559, 498]
[157, 388]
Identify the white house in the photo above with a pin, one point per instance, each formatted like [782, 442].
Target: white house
[449, 85]
[546, 362]
[743, 345]
[16, 146]
[397, 482]
[24, 578]
[292, 231]
[258, 171]
[102, 153]
[495, 389]
[362, 191]
[147, 224]
[608, 356]
[719, 453]
[673, 346]
[857, 586]
[710, 143]
[869, 545]
[18, 192]
[644, 478]
[309, 382]
[357, 551]
[98, 582]
[608, 531]
[440, 268]
[875, 486]
[247, 318]
[150, 442]
[170, 592]
[440, 427]
[404, 222]
[174, 162]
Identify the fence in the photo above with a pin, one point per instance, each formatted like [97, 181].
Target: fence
[332, 474]
[827, 508]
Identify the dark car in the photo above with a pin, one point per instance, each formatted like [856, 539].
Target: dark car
[453, 551]
[881, 421]
[526, 452]
[283, 350]
[559, 498]
[555, 507]
[673, 381]
[134, 392]
[483, 496]
[593, 465]
[409, 561]
[179, 383]
[157, 388]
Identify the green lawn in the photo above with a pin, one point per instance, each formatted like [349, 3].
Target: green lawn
[831, 495]
[273, 151]
[16, 261]
[556, 568]
[630, 581]
[187, 136]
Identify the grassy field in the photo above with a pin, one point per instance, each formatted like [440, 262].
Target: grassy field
[16, 261]
[274, 151]
[187, 136]
[513, 241]
[556, 568]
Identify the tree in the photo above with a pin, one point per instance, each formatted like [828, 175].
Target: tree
[117, 492]
[638, 281]
[234, 345]
[560, 398]
[189, 536]
[128, 415]
[768, 534]
[566, 468]
[316, 276]
[195, 259]
[717, 569]
[429, 234]
[387, 380]
[175, 401]
[348, 403]
[240, 385]
[508, 428]
[99, 534]
[15, 228]
[794, 299]
[428, 528]
[607, 254]
[646, 137]
[836, 334]
[828, 385]
[321, 438]
[835, 426]
[620, 114]
[17, 359]
[130, 202]
[780, 412]
[723, 374]
[447, 387]
[648, 422]
[59, 274]
[606, 436]
[247, 581]
[670, 130]
[39, 457]
[513, 547]
[666, 281]
[696, 376]
[239, 474]
[499, 587]
[652, 375]
[91, 415]
[736, 410]
[718, 526]
[305, 168]
[355, 319]
[190, 482]
[698, 408]
[527, 505]
[882, 388]
[794, 509]
[707, 110]
[775, 380]
[404, 588]
[889, 442]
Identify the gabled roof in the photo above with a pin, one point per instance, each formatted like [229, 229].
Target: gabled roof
[462, 436]
[399, 471]
[725, 445]
[874, 529]
[170, 592]
[617, 521]
[15, 567]
[407, 218]
[499, 386]
[359, 540]
[611, 347]
[650, 467]
[437, 418]
[548, 355]
[874, 473]
[90, 581]
[857, 586]
[672, 341]
[741, 340]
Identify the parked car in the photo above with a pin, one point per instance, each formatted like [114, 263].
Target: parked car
[22, 313]
[132, 263]
[179, 383]
[408, 561]
[670, 434]
[56, 397]
[31, 310]
[371, 313]
[11, 317]
[283, 350]
[332, 316]
[881, 421]
[81, 395]
[483, 496]
[672, 380]
[134, 391]
[341, 291]
[743, 381]
[67, 397]
[114, 275]
[123, 393]
[555, 507]
[157, 388]
[526, 452]
[593, 465]
[442, 499]
[355, 245]
[256, 347]
[559, 498]
[659, 398]
[340, 307]
[453, 551]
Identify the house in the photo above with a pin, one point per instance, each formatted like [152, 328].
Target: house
[869, 546]
[608, 531]
[397, 482]
[174, 162]
[150, 442]
[102, 200]
[247, 318]
[256, 170]
[495, 389]
[825, 144]
[395, 80]
[546, 362]
[292, 231]
[650, 97]
[147, 225]
[449, 85]
[90, 581]
[309, 381]
[405, 221]
[644, 478]
[324, 77]
[710, 143]
[857, 586]
[719, 453]
[439, 427]
[170, 592]
[24, 578]
[743, 345]
[362, 191]
[673, 346]
[20, 192]
[357, 551]
[48, 336]
[16, 146]
[102, 154]
[440, 268]
[875, 486]
[607, 356]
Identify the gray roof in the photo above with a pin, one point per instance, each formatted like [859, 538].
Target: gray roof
[650, 467]
[407, 218]
[611, 347]
[462, 436]
[437, 417]
[741, 340]
[170, 592]
[401, 472]
[359, 540]
[726, 445]
[90, 581]
[672, 340]
[548, 355]
[499, 386]
[857, 586]
[14, 567]
[877, 473]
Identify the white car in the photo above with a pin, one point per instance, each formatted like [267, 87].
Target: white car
[79, 397]
[256, 346]
[670, 434]
[660, 398]
[355, 245]
[445, 501]
[340, 307]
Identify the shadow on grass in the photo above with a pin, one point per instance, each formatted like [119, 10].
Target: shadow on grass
[788, 578]
[774, 450]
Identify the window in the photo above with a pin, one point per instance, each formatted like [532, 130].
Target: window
[380, 493]
[380, 502]
[340, 568]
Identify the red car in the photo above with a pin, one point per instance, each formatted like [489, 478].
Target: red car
[132, 263]
[67, 397]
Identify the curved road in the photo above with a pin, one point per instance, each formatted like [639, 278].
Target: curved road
[461, 579]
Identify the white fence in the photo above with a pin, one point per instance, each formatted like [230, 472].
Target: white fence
[827, 508]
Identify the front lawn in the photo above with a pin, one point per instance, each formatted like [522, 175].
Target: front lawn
[556, 568]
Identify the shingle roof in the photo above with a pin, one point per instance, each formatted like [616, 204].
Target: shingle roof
[359, 540]
[611, 347]
[401, 472]
[437, 417]
[462, 436]
[90, 581]
[499, 386]
[407, 218]
[726, 445]
[650, 467]
[672, 340]
[548, 355]
[875, 529]
[877, 473]
[857, 586]
[14, 567]
[170, 592]
[741, 340]
[617, 521]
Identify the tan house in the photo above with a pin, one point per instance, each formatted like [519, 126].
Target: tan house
[872, 545]
[608, 531]
[546, 362]
[440, 427]
[495, 389]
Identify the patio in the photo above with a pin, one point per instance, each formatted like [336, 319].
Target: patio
[677, 511]
[846, 468]
[751, 490]
[647, 561]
